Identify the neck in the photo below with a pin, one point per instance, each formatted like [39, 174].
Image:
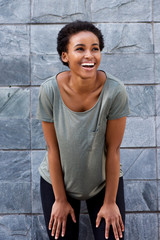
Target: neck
[82, 85]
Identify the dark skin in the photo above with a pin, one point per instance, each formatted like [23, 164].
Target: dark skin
[79, 101]
[80, 88]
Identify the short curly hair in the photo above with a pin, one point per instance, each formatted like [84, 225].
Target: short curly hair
[72, 28]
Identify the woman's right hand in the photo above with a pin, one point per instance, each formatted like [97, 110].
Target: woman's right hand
[58, 219]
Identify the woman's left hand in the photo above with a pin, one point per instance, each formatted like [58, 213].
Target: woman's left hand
[112, 216]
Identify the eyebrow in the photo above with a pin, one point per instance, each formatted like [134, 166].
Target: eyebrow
[83, 45]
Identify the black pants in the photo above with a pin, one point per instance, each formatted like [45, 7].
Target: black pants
[93, 204]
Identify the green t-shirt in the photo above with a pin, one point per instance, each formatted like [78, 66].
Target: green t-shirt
[81, 135]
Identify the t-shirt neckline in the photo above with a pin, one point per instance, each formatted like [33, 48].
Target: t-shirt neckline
[86, 110]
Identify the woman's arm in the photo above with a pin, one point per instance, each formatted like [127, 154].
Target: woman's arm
[109, 211]
[54, 161]
[61, 208]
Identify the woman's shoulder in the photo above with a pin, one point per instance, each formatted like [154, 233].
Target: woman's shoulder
[63, 75]
[113, 87]
[48, 88]
[114, 83]
[62, 78]
[49, 82]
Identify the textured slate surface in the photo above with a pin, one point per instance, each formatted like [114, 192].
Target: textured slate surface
[15, 182]
[15, 134]
[127, 38]
[141, 100]
[16, 11]
[15, 197]
[157, 68]
[91, 10]
[14, 39]
[14, 70]
[156, 10]
[55, 11]
[158, 100]
[38, 228]
[85, 231]
[10, 98]
[140, 132]
[44, 38]
[83, 207]
[121, 11]
[15, 166]
[158, 159]
[159, 186]
[159, 222]
[15, 227]
[45, 66]
[138, 163]
[36, 157]
[141, 226]
[38, 141]
[141, 196]
[130, 68]
[158, 130]
[157, 37]
[34, 101]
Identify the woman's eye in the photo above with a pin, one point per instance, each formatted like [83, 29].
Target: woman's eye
[95, 49]
[79, 49]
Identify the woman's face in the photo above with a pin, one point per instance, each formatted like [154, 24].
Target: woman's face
[83, 54]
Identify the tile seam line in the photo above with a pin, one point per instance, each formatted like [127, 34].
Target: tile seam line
[43, 149]
[63, 23]
[157, 162]
[41, 214]
[30, 120]
[56, 54]
[125, 180]
[140, 180]
[142, 212]
[157, 174]
[38, 85]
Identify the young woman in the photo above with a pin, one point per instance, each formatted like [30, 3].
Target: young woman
[83, 113]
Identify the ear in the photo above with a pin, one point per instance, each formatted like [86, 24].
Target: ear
[64, 57]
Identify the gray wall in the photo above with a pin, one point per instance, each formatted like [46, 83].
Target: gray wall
[28, 31]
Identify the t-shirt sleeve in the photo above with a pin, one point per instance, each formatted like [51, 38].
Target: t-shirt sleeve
[120, 106]
[45, 106]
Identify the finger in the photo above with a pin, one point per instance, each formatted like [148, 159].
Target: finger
[63, 228]
[98, 220]
[54, 227]
[107, 227]
[51, 222]
[121, 224]
[58, 229]
[73, 216]
[115, 231]
[119, 230]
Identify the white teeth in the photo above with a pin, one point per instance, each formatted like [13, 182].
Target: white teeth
[88, 64]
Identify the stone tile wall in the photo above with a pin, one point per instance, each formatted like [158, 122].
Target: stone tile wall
[28, 31]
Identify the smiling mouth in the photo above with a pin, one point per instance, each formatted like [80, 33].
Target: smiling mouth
[88, 65]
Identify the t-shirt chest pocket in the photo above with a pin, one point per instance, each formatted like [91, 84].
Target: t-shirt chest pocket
[95, 139]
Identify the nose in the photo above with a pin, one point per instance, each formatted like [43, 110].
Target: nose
[88, 54]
